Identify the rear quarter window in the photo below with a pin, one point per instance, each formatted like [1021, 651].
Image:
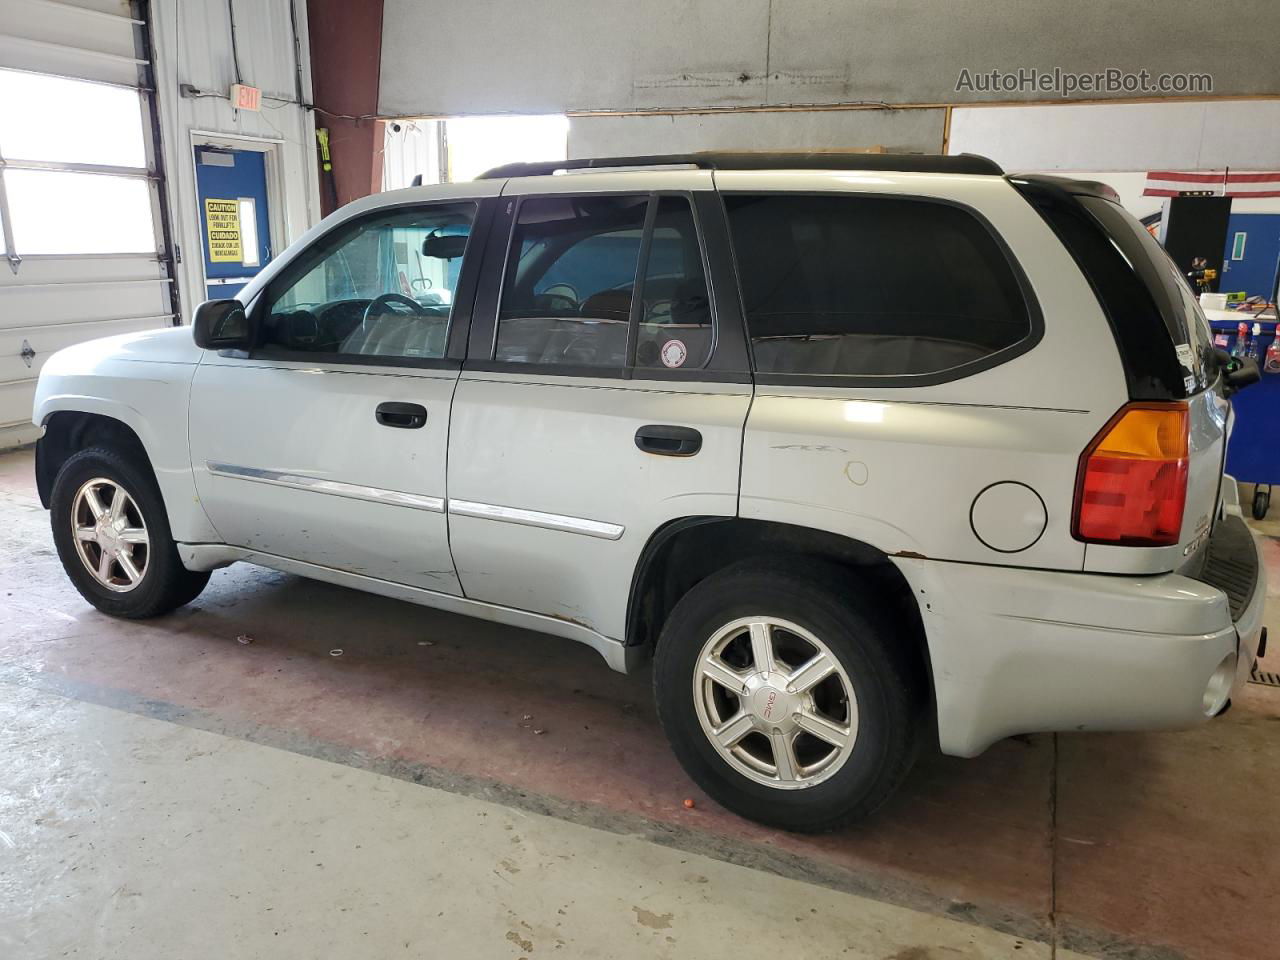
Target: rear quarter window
[873, 287]
[1148, 304]
[1177, 305]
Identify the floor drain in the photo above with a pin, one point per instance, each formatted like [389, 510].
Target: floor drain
[1261, 676]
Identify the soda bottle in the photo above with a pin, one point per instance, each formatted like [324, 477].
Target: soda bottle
[1239, 348]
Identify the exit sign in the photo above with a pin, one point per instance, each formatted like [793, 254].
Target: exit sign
[245, 97]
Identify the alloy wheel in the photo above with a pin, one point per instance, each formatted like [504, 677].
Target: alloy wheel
[775, 703]
[110, 534]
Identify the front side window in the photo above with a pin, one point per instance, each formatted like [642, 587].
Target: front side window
[382, 287]
[566, 298]
[871, 286]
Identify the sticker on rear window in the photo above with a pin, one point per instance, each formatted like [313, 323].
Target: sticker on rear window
[1185, 356]
[674, 353]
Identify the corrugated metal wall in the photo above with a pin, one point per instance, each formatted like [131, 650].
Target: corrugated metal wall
[562, 56]
[193, 39]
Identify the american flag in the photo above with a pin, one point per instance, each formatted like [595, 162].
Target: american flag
[1213, 183]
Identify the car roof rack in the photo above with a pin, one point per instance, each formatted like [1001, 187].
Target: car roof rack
[895, 162]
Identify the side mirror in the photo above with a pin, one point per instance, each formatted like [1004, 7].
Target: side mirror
[222, 325]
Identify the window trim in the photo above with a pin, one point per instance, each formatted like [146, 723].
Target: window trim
[483, 348]
[459, 316]
[1035, 315]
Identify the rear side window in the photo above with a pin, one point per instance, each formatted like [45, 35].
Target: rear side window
[871, 286]
[675, 315]
[566, 298]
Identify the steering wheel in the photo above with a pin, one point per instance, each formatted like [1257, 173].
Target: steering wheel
[390, 298]
[564, 290]
[559, 301]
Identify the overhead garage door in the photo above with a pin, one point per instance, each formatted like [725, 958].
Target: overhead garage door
[81, 192]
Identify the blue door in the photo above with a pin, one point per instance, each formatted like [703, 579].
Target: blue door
[231, 187]
[1253, 249]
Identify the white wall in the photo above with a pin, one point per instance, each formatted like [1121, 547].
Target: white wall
[907, 130]
[1211, 135]
[193, 41]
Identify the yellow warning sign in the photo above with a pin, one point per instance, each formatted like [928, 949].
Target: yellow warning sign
[222, 226]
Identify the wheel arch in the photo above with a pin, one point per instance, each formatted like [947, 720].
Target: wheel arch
[686, 551]
[67, 432]
[72, 418]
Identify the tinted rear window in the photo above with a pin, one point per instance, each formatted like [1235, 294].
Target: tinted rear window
[871, 286]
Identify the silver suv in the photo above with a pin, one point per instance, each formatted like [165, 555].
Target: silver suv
[863, 450]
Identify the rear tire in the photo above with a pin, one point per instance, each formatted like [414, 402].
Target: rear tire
[870, 697]
[123, 559]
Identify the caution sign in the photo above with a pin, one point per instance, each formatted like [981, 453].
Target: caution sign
[222, 227]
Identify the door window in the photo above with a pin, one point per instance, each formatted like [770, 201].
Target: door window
[380, 287]
[569, 281]
[675, 317]
[871, 286]
[570, 291]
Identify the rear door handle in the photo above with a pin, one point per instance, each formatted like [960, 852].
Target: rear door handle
[669, 441]
[409, 416]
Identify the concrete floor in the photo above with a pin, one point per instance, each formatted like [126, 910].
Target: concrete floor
[446, 787]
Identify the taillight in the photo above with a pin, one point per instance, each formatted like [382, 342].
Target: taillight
[1132, 482]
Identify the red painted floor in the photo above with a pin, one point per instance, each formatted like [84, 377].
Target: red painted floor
[1121, 844]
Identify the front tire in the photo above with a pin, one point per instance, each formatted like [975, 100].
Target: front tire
[112, 534]
[787, 696]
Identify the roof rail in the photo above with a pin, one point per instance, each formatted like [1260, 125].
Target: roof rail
[896, 162]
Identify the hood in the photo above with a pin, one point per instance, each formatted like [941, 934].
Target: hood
[167, 345]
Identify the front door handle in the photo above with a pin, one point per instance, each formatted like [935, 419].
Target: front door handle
[669, 441]
[409, 416]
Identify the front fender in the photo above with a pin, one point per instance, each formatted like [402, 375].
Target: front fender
[148, 397]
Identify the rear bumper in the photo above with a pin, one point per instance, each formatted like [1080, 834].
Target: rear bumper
[1023, 651]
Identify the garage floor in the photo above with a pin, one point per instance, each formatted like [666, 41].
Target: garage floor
[370, 778]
